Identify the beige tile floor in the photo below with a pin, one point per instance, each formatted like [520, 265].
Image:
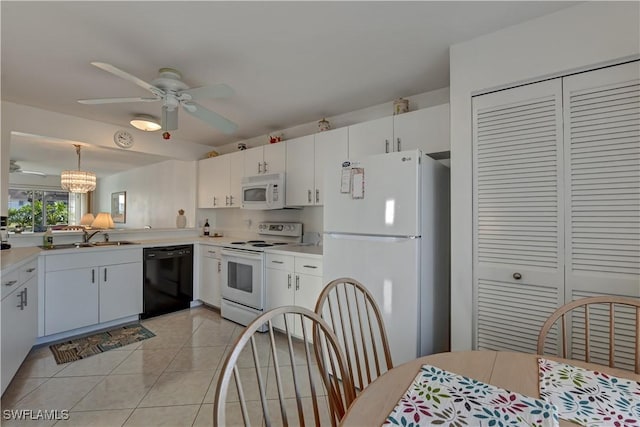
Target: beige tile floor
[167, 380]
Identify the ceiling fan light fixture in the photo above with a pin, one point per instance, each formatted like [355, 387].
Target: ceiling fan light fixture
[78, 181]
[145, 123]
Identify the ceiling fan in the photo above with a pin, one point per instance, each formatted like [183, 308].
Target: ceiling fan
[173, 92]
[16, 168]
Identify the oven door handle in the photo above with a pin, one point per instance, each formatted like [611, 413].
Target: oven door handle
[241, 254]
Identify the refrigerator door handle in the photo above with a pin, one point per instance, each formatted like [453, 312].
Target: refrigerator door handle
[370, 237]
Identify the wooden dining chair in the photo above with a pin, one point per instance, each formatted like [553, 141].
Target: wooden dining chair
[356, 319]
[283, 380]
[602, 329]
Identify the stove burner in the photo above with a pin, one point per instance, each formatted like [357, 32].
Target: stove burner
[261, 245]
[279, 243]
[237, 243]
[256, 241]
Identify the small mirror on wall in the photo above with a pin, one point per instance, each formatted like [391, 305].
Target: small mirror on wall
[119, 206]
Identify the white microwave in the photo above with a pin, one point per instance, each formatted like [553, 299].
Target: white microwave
[263, 192]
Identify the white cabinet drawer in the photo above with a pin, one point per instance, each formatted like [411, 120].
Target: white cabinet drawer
[10, 281]
[310, 266]
[211, 251]
[28, 271]
[280, 262]
[91, 258]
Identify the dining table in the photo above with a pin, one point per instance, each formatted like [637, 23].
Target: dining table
[513, 371]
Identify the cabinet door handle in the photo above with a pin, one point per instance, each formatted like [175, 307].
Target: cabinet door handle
[25, 297]
[386, 145]
[21, 298]
[317, 196]
[398, 142]
[310, 266]
[219, 266]
[105, 274]
[226, 200]
[230, 200]
[264, 167]
[93, 275]
[277, 262]
[11, 283]
[214, 200]
[212, 252]
[288, 281]
[31, 270]
[297, 283]
[259, 167]
[309, 195]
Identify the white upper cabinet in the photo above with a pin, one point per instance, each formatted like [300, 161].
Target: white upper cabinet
[369, 138]
[299, 184]
[270, 158]
[236, 172]
[426, 129]
[219, 181]
[330, 148]
[307, 159]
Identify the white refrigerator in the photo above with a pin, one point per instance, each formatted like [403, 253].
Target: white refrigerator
[386, 224]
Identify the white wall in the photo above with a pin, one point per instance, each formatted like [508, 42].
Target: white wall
[154, 194]
[572, 39]
[238, 222]
[35, 121]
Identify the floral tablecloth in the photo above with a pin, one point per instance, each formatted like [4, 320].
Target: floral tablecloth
[589, 398]
[439, 397]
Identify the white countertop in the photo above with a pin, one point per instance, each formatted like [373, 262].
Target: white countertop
[310, 250]
[16, 256]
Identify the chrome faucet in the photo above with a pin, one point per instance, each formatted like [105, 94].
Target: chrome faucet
[86, 236]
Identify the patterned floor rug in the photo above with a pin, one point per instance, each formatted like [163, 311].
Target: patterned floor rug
[81, 348]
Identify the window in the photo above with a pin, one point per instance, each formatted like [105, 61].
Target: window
[33, 210]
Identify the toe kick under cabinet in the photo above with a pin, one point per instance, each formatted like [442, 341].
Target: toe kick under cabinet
[91, 288]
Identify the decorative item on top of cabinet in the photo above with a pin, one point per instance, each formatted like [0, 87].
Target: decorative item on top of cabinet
[400, 106]
[181, 220]
[324, 125]
[273, 138]
[242, 146]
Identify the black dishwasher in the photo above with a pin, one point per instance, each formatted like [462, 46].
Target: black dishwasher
[168, 279]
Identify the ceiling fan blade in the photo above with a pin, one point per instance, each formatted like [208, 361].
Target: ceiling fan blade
[116, 100]
[220, 90]
[124, 75]
[214, 119]
[169, 119]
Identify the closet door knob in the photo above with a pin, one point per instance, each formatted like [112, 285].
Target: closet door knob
[517, 276]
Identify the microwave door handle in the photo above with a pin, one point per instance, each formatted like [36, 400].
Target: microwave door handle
[269, 194]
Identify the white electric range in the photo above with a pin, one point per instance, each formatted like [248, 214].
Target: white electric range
[243, 270]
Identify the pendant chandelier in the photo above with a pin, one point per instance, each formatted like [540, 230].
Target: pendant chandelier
[78, 181]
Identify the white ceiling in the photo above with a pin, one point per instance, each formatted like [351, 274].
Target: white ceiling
[289, 62]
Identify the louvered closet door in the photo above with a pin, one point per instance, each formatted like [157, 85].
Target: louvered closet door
[518, 214]
[602, 158]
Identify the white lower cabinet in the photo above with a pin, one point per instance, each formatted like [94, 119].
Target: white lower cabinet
[293, 280]
[19, 318]
[76, 297]
[210, 274]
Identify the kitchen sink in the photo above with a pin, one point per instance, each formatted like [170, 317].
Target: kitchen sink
[114, 243]
[90, 244]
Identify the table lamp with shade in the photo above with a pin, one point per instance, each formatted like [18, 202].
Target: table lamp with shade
[103, 221]
[87, 219]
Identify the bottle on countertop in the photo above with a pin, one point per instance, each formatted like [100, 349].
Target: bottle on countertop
[206, 227]
[47, 239]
